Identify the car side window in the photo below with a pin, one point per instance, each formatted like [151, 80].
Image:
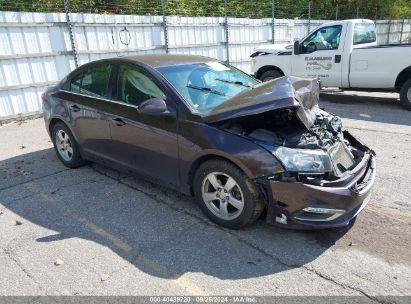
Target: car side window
[95, 80]
[326, 38]
[75, 83]
[134, 86]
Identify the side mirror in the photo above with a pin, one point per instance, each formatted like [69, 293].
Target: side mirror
[152, 106]
[297, 48]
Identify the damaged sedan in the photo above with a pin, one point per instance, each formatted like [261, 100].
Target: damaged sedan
[207, 129]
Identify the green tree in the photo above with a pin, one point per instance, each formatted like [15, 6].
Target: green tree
[320, 9]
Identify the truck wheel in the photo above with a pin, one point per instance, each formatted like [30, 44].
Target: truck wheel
[226, 195]
[270, 75]
[405, 95]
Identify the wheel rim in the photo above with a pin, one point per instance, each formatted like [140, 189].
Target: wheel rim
[409, 94]
[64, 146]
[222, 195]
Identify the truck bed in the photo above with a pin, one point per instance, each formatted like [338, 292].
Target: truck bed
[378, 66]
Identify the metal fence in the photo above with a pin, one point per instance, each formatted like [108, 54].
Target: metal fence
[38, 49]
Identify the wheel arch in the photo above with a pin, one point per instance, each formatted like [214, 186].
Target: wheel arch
[213, 156]
[54, 121]
[402, 77]
[266, 68]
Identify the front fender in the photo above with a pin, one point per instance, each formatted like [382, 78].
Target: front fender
[198, 140]
[282, 62]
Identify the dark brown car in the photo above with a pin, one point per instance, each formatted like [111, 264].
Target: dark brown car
[207, 129]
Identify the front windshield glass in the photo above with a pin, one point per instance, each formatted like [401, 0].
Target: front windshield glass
[207, 85]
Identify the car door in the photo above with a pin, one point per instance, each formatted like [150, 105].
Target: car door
[147, 143]
[86, 94]
[321, 56]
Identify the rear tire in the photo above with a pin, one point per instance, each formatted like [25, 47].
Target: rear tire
[405, 95]
[270, 75]
[226, 195]
[66, 147]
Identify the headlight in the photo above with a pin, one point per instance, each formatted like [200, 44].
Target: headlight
[300, 160]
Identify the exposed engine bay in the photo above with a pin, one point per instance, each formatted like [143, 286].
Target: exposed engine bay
[282, 127]
[308, 147]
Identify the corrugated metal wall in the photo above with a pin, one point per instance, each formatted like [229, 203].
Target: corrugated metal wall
[35, 48]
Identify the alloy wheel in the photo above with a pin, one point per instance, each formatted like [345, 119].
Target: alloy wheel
[222, 195]
[64, 146]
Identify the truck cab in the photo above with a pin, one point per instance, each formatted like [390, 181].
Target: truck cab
[342, 54]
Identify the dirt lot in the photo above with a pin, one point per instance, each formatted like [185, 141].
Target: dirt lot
[115, 234]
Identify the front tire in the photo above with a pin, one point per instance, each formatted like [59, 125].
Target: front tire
[226, 195]
[66, 146]
[270, 75]
[405, 95]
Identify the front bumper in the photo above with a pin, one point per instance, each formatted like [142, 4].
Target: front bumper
[345, 198]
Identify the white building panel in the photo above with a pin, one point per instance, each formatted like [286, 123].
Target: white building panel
[35, 51]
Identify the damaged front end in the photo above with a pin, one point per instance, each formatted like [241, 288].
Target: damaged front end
[327, 175]
[331, 197]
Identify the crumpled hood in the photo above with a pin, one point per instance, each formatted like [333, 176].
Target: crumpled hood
[284, 92]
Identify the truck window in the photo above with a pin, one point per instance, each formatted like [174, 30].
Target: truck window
[325, 38]
[364, 33]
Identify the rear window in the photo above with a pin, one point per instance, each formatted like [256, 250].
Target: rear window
[364, 33]
[93, 81]
[75, 83]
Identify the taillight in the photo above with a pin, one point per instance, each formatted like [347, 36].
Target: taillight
[43, 97]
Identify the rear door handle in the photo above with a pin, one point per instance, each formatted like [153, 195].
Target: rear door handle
[75, 108]
[118, 121]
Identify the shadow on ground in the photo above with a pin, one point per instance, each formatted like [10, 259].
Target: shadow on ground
[383, 108]
[159, 231]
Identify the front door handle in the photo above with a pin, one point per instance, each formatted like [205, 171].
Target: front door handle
[337, 58]
[75, 108]
[118, 121]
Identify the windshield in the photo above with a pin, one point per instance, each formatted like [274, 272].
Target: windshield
[207, 85]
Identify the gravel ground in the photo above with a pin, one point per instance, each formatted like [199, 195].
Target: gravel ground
[95, 231]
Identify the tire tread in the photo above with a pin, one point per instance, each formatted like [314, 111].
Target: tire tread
[403, 95]
[271, 73]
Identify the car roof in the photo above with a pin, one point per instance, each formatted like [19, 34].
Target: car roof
[163, 60]
[152, 60]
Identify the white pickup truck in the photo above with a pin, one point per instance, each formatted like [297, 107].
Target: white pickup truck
[342, 54]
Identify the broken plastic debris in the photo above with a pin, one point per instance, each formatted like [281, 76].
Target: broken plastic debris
[58, 262]
[104, 277]
[282, 219]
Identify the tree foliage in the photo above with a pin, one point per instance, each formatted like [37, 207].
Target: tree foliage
[319, 9]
